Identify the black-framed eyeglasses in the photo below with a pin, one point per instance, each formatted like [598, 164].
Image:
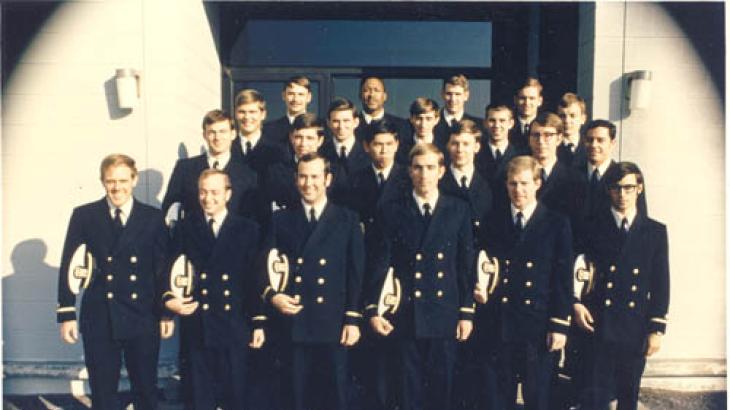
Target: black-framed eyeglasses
[628, 188]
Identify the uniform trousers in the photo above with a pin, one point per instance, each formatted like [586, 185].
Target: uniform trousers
[427, 373]
[614, 371]
[532, 364]
[103, 357]
[218, 377]
[318, 376]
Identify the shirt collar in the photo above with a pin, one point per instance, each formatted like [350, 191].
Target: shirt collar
[126, 209]
[502, 147]
[448, 116]
[318, 208]
[426, 140]
[468, 173]
[526, 213]
[618, 217]
[431, 200]
[369, 118]
[348, 144]
[222, 159]
[385, 172]
[601, 169]
[253, 138]
[291, 118]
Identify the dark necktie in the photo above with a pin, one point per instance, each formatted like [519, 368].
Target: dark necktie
[343, 153]
[427, 213]
[211, 226]
[624, 231]
[543, 176]
[216, 164]
[519, 223]
[464, 186]
[312, 217]
[453, 123]
[381, 180]
[497, 155]
[570, 147]
[118, 226]
[594, 180]
[248, 147]
[525, 128]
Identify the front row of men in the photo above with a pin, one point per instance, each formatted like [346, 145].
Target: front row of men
[427, 237]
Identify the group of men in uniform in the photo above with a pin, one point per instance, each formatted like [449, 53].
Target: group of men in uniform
[365, 261]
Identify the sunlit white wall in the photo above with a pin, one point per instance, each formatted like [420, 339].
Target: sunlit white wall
[679, 142]
[60, 120]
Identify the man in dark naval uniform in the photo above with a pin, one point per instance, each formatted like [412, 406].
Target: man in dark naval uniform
[224, 303]
[297, 94]
[121, 307]
[183, 186]
[426, 237]
[455, 93]
[533, 245]
[627, 309]
[321, 298]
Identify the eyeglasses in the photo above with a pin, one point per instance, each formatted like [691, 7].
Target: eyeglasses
[628, 188]
[545, 135]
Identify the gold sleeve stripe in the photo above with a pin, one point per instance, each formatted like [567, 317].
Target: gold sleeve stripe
[66, 309]
[256, 318]
[561, 321]
[467, 310]
[352, 314]
[266, 292]
[373, 306]
[169, 292]
[660, 320]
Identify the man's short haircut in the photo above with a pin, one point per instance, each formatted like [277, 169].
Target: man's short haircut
[249, 95]
[307, 120]
[114, 160]
[209, 172]
[314, 156]
[602, 123]
[498, 107]
[423, 149]
[549, 119]
[466, 126]
[422, 105]
[371, 77]
[342, 104]
[569, 99]
[214, 116]
[458, 80]
[381, 127]
[299, 80]
[617, 173]
[523, 163]
[532, 82]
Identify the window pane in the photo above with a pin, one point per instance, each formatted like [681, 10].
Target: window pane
[356, 43]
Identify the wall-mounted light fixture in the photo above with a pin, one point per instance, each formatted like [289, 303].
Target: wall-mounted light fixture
[638, 91]
[128, 87]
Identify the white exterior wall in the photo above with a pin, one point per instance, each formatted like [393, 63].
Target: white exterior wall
[60, 119]
[679, 143]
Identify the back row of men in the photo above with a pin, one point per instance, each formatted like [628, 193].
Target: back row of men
[345, 209]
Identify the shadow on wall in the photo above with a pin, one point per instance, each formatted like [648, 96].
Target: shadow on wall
[150, 187]
[29, 306]
[112, 101]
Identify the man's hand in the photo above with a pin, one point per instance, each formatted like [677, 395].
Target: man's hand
[653, 343]
[556, 341]
[182, 306]
[480, 295]
[258, 337]
[350, 335]
[463, 330]
[167, 328]
[583, 317]
[381, 325]
[69, 331]
[286, 304]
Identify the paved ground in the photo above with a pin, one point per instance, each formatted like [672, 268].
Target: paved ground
[651, 399]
